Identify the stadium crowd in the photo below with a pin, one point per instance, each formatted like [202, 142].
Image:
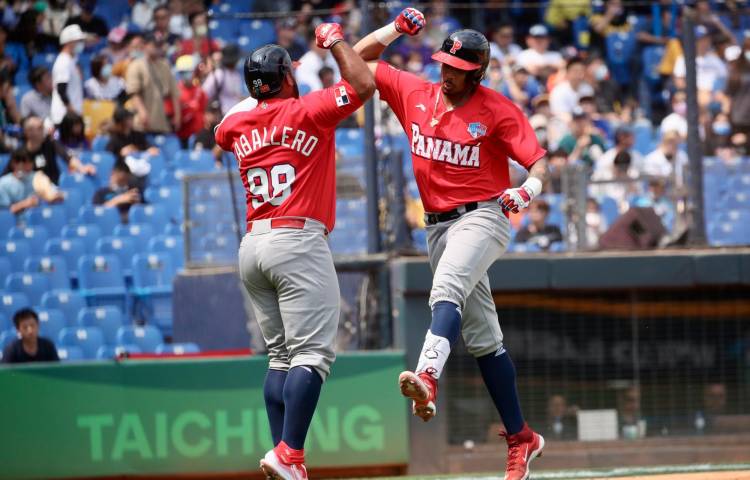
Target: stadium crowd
[106, 103]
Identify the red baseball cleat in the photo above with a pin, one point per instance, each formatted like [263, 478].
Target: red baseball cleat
[422, 389]
[282, 464]
[523, 447]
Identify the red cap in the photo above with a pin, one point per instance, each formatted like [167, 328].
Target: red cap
[454, 61]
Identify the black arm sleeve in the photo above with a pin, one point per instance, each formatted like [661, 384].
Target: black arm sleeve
[62, 90]
[62, 151]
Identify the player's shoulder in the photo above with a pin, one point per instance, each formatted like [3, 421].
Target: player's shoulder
[406, 78]
[496, 101]
[243, 107]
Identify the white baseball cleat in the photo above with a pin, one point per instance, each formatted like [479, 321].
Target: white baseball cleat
[275, 469]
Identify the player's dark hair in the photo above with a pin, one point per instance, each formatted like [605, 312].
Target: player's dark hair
[24, 314]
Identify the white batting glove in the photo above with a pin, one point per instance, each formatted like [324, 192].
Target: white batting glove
[516, 199]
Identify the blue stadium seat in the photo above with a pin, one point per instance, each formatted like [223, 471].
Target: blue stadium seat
[5, 268]
[609, 209]
[101, 281]
[195, 161]
[7, 220]
[114, 12]
[108, 318]
[260, 32]
[70, 249]
[147, 337]
[16, 251]
[109, 352]
[140, 232]
[169, 196]
[51, 323]
[70, 354]
[154, 215]
[52, 217]
[152, 287]
[99, 144]
[11, 302]
[69, 302]
[89, 234]
[645, 142]
[43, 60]
[174, 230]
[88, 339]
[103, 161]
[168, 144]
[350, 145]
[106, 218]
[76, 181]
[122, 247]
[33, 285]
[5, 322]
[171, 244]
[54, 267]
[7, 337]
[620, 47]
[36, 237]
[225, 29]
[177, 348]
[73, 202]
[220, 248]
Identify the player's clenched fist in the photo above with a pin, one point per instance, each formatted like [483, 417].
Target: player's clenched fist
[515, 199]
[328, 34]
[410, 21]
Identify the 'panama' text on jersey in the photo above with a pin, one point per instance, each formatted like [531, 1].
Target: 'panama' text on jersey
[275, 135]
[443, 150]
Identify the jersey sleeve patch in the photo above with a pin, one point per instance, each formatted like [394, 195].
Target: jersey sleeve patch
[342, 97]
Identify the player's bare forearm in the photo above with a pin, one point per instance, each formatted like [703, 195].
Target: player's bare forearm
[409, 22]
[369, 48]
[354, 70]
[539, 170]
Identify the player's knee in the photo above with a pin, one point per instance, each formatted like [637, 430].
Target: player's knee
[321, 360]
[481, 349]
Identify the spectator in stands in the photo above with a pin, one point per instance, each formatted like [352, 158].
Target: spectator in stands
[415, 44]
[582, 144]
[558, 160]
[311, 63]
[153, 90]
[21, 188]
[631, 422]
[57, 15]
[286, 36]
[561, 14]
[677, 120]
[502, 47]
[45, 151]
[6, 61]
[205, 139]
[561, 419]
[103, 85]
[519, 86]
[596, 224]
[607, 92]
[441, 23]
[711, 71]
[537, 59]
[28, 30]
[667, 161]
[613, 19]
[8, 108]
[326, 75]
[738, 89]
[538, 232]
[162, 16]
[122, 191]
[92, 24]
[224, 85]
[619, 181]
[624, 142]
[142, 13]
[650, 32]
[656, 197]
[600, 122]
[566, 94]
[117, 48]
[200, 43]
[192, 98]
[134, 50]
[71, 133]
[29, 347]
[714, 407]
[37, 101]
[67, 95]
[124, 140]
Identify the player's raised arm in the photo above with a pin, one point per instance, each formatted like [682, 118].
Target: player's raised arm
[353, 69]
[410, 22]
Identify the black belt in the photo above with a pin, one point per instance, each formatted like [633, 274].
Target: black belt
[433, 218]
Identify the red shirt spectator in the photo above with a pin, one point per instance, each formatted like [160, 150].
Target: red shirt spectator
[192, 98]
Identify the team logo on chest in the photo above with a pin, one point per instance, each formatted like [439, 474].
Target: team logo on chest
[477, 129]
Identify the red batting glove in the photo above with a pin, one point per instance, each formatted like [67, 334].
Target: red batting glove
[514, 199]
[410, 21]
[328, 34]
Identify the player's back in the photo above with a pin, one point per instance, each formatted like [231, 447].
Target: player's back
[285, 148]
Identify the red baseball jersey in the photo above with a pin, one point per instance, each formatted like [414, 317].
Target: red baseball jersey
[286, 152]
[460, 155]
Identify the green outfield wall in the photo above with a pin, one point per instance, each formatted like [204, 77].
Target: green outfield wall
[188, 416]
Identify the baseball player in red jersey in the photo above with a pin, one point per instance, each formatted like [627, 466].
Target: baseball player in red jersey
[286, 154]
[461, 136]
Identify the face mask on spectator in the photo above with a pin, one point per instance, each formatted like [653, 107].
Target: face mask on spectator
[185, 76]
[722, 128]
[78, 48]
[21, 174]
[106, 71]
[601, 73]
[680, 108]
[136, 54]
[201, 30]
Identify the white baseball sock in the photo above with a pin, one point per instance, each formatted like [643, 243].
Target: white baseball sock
[435, 353]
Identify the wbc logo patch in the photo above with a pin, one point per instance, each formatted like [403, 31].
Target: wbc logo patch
[477, 130]
[456, 46]
[342, 98]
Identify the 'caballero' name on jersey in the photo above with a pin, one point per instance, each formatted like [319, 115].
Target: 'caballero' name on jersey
[443, 150]
[288, 137]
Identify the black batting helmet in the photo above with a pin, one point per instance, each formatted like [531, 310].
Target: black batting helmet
[265, 70]
[466, 50]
